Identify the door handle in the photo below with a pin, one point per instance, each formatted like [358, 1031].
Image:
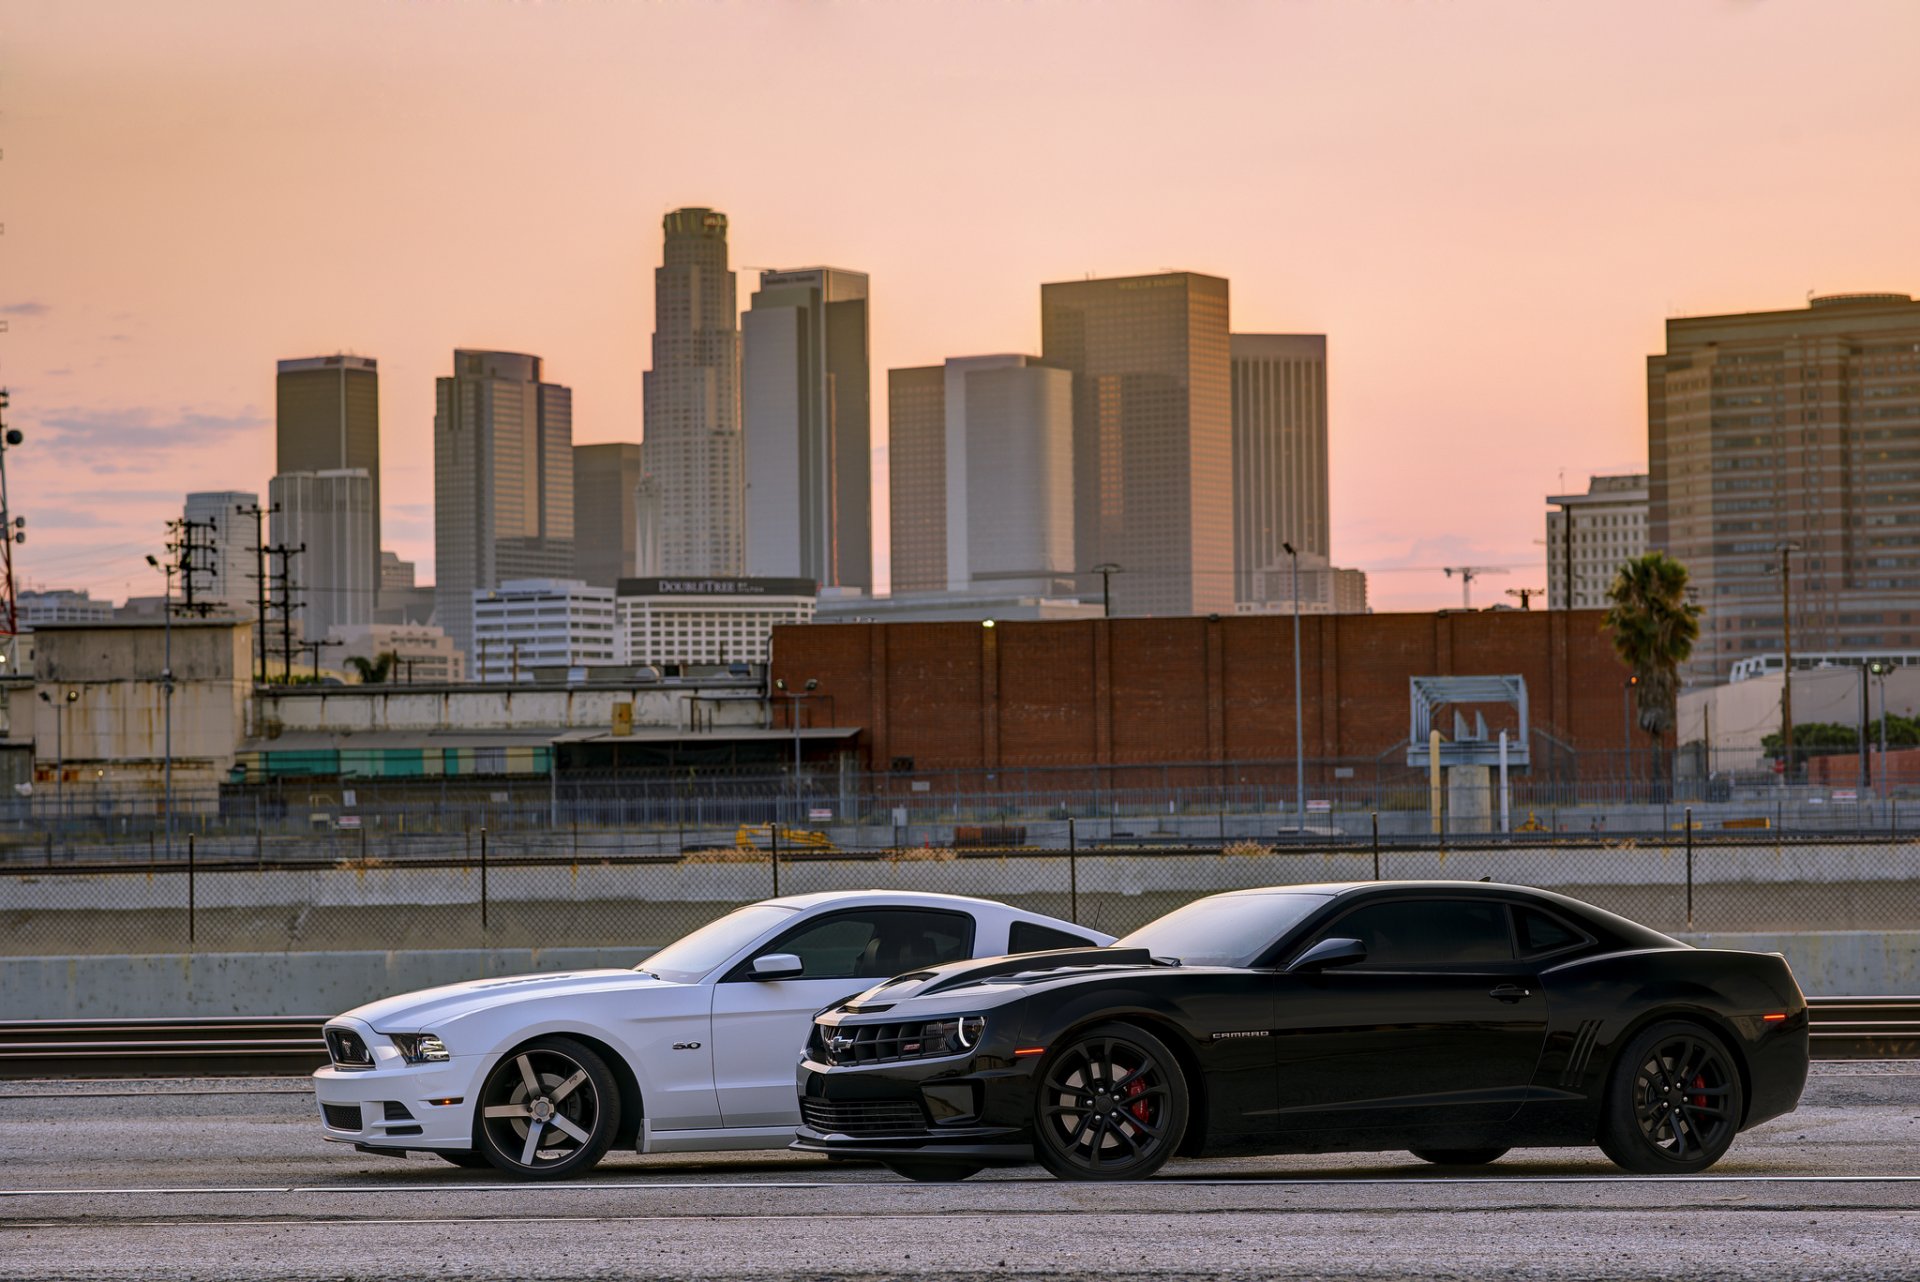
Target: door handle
[1509, 993]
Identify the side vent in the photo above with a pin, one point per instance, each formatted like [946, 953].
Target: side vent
[1581, 1054]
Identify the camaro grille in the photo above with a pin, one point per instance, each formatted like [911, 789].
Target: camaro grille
[841, 1044]
[347, 1049]
[864, 1117]
[342, 1117]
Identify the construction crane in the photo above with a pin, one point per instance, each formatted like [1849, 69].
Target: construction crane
[1526, 595]
[1468, 573]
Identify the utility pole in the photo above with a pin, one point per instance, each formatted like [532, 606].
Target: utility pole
[12, 531]
[314, 648]
[257, 512]
[166, 687]
[188, 546]
[1526, 595]
[1106, 570]
[286, 555]
[1299, 720]
[1786, 551]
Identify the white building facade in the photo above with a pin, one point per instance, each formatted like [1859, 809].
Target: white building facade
[424, 655]
[541, 623]
[708, 621]
[329, 515]
[224, 560]
[1607, 525]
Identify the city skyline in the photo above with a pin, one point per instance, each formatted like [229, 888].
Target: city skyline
[167, 313]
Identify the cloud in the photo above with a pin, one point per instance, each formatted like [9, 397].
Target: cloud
[70, 518]
[117, 440]
[24, 309]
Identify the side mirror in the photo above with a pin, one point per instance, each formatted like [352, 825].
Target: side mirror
[1327, 954]
[776, 966]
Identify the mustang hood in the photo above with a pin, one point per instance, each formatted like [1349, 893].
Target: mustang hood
[420, 1011]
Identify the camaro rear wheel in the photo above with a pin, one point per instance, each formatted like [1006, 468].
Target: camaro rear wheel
[548, 1111]
[1112, 1105]
[1459, 1156]
[936, 1172]
[1673, 1101]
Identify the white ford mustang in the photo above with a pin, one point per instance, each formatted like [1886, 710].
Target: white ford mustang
[693, 1050]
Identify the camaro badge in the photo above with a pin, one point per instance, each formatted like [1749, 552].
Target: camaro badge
[1223, 1037]
[839, 1043]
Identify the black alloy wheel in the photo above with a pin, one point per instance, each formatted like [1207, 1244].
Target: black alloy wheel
[1112, 1105]
[1459, 1156]
[1673, 1102]
[548, 1110]
[936, 1172]
[470, 1158]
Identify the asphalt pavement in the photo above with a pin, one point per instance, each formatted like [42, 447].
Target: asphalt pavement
[230, 1180]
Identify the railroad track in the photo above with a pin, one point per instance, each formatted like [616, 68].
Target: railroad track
[278, 1045]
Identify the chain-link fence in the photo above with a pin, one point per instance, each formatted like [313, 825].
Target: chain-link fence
[548, 890]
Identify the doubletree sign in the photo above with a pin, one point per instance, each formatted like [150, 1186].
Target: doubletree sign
[718, 587]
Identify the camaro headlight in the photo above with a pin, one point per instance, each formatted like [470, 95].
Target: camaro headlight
[421, 1048]
[951, 1036]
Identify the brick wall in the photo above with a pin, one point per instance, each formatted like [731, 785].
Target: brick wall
[1113, 693]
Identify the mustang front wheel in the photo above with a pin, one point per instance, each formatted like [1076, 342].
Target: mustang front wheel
[1112, 1105]
[549, 1110]
[1673, 1102]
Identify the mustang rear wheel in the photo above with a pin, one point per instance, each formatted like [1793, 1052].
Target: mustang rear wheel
[1459, 1156]
[1112, 1105]
[1673, 1101]
[547, 1111]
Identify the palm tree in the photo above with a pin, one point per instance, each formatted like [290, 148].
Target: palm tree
[374, 671]
[1654, 627]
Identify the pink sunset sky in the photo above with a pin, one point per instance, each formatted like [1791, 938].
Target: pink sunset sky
[1489, 208]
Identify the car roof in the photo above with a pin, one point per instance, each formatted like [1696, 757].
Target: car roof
[1332, 888]
[920, 898]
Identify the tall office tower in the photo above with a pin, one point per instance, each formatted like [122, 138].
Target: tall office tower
[806, 422]
[395, 575]
[1791, 428]
[1279, 460]
[692, 440]
[1152, 435]
[1608, 525]
[982, 477]
[223, 560]
[502, 482]
[327, 418]
[331, 514]
[606, 512]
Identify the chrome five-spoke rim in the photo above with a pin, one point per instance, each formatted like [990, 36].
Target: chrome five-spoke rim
[1682, 1096]
[540, 1106]
[1105, 1104]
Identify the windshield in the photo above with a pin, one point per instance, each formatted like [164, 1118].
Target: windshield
[692, 956]
[1225, 930]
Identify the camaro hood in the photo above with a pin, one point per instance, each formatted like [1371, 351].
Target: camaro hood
[1000, 977]
[423, 1010]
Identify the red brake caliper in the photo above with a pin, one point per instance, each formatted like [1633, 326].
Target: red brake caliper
[1699, 1084]
[1139, 1108]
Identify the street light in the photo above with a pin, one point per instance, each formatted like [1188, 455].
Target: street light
[793, 718]
[1299, 721]
[1626, 721]
[1880, 670]
[166, 687]
[1786, 551]
[59, 748]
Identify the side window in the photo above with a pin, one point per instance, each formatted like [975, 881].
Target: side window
[1539, 933]
[874, 943]
[1032, 937]
[1428, 932]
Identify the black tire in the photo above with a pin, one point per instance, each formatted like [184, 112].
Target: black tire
[470, 1158]
[1459, 1156]
[936, 1172]
[548, 1111]
[1673, 1103]
[1110, 1104]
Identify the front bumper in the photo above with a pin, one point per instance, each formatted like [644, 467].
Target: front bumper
[398, 1105]
[964, 1110]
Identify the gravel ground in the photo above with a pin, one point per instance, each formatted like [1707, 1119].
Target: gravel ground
[224, 1180]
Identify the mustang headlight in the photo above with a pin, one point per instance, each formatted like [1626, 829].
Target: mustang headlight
[421, 1048]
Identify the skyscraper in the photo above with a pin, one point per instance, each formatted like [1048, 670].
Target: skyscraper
[1279, 459]
[981, 473]
[692, 440]
[327, 417]
[502, 481]
[1791, 428]
[1152, 435]
[807, 427]
[606, 512]
[331, 514]
[222, 564]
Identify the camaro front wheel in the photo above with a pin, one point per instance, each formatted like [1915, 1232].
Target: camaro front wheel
[1673, 1101]
[1112, 1105]
[549, 1110]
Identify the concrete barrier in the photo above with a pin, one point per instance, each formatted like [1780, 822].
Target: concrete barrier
[1827, 963]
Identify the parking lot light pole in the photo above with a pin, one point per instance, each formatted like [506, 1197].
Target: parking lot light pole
[1299, 720]
[166, 688]
[793, 717]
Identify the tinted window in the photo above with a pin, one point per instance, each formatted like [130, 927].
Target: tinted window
[1031, 937]
[877, 943]
[692, 956]
[1540, 933]
[1224, 930]
[1427, 932]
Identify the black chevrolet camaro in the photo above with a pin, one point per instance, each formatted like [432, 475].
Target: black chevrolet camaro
[1456, 1020]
